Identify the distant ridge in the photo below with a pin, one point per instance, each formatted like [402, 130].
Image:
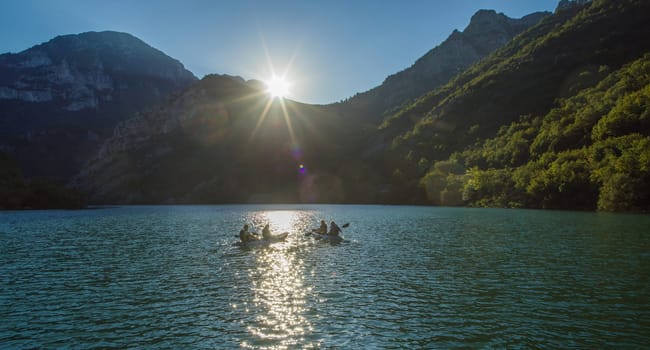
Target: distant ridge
[486, 32]
[60, 99]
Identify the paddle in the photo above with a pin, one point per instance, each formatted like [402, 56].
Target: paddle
[343, 226]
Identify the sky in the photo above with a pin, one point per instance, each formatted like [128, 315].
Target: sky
[328, 50]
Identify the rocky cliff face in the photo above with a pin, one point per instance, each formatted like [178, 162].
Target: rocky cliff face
[486, 32]
[60, 99]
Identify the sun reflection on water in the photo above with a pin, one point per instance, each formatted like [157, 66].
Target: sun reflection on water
[279, 220]
[279, 293]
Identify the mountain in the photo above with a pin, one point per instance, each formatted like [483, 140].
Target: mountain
[59, 100]
[557, 118]
[486, 32]
[221, 141]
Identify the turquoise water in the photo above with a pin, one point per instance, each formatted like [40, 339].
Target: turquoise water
[405, 277]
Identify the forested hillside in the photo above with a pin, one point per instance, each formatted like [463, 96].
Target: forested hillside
[556, 119]
[18, 193]
[592, 151]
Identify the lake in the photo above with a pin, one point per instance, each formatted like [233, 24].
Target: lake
[404, 277]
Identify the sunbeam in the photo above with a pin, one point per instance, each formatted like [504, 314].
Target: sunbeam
[287, 120]
[267, 107]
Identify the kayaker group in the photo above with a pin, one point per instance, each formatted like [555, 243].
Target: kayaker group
[322, 230]
[246, 236]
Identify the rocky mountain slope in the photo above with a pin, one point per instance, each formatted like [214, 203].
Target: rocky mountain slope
[59, 100]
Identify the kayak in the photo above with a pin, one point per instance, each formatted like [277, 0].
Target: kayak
[326, 238]
[264, 241]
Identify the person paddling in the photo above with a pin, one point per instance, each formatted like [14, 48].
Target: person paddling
[334, 229]
[245, 235]
[323, 228]
[266, 231]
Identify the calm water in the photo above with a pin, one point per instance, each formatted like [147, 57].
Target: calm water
[405, 277]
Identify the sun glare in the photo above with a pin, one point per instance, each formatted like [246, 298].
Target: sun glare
[277, 87]
[281, 220]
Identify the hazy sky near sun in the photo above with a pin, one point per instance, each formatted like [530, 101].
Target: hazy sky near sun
[331, 49]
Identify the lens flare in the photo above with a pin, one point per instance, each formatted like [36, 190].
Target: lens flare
[296, 151]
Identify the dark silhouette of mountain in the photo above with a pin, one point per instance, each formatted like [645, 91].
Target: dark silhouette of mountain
[59, 100]
[221, 141]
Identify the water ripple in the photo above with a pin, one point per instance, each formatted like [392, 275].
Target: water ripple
[405, 277]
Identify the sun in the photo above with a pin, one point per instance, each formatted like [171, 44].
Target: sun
[277, 87]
